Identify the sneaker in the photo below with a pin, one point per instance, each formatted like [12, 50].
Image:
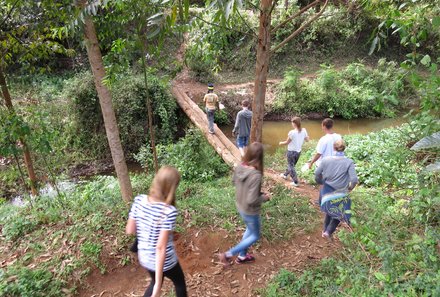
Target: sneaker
[327, 236]
[283, 176]
[248, 258]
[211, 132]
[224, 259]
[294, 184]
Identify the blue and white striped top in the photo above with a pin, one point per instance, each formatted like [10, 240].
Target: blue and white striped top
[151, 218]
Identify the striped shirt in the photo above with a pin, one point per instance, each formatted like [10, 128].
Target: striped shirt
[151, 218]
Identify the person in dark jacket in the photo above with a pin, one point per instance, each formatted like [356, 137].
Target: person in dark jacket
[247, 179]
[242, 127]
[338, 176]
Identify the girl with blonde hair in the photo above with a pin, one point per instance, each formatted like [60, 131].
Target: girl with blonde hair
[153, 218]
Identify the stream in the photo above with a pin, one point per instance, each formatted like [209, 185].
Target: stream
[276, 131]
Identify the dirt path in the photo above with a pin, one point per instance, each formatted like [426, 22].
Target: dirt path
[197, 250]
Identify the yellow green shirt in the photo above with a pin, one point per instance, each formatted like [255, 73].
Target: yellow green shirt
[210, 100]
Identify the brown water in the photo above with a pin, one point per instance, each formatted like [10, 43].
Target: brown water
[274, 131]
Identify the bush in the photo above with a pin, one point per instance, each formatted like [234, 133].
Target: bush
[26, 282]
[354, 92]
[129, 99]
[194, 158]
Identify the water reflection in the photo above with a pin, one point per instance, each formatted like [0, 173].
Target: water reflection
[274, 132]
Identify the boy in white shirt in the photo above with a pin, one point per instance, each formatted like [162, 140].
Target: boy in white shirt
[294, 141]
[325, 144]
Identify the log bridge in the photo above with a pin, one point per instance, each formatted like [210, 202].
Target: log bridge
[222, 145]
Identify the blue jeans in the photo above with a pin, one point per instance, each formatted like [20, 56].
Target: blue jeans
[250, 236]
[210, 116]
[242, 141]
[292, 159]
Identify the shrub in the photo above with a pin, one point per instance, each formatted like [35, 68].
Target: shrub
[192, 156]
[26, 282]
[130, 107]
[354, 92]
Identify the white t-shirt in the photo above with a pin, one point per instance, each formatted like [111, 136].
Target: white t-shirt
[325, 146]
[296, 139]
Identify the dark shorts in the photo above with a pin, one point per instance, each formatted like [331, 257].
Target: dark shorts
[242, 141]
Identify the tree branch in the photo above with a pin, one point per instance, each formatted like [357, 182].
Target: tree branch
[273, 6]
[9, 14]
[246, 23]
[304, 9]
[300, 29]
[253, 5]
[223, 27]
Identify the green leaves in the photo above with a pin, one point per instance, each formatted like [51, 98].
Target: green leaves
[426, 60]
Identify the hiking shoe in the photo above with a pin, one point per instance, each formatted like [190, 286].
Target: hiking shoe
[249, 258]
[283, 176]
[294, 184]
[224, 259]
[327, 236]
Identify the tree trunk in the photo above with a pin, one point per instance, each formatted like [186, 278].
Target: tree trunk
[26, 152]
[105, 100]
[262, 69]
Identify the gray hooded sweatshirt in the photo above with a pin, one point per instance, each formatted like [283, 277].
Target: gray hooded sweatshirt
[243, 123]
[248, 194]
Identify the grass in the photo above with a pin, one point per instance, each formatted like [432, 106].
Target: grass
[278, 161]
[394, 249]
[50, 247]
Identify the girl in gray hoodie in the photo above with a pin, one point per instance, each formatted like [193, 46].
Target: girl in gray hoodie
[247, 179]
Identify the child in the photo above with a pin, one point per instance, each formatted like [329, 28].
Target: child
[247, 179]
[338, 176]
[295, 140]
[153, 218]
[211, 102]
[242, 127]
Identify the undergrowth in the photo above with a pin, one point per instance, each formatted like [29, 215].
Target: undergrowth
[353, 92]
[393, 250]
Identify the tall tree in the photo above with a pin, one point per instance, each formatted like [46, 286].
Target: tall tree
[105, 100]
[26, 153]
[24, 39]
[264, 50]
[147, 25]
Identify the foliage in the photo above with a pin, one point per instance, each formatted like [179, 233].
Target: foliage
[337, 27]
[376, 259]
[211, 43]
[130, 107]
[392, 166]
[353, 92]
[221, 117]
[25, 33]
[414, 22]
[28, 283]
[192, 156]
[62, 236]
